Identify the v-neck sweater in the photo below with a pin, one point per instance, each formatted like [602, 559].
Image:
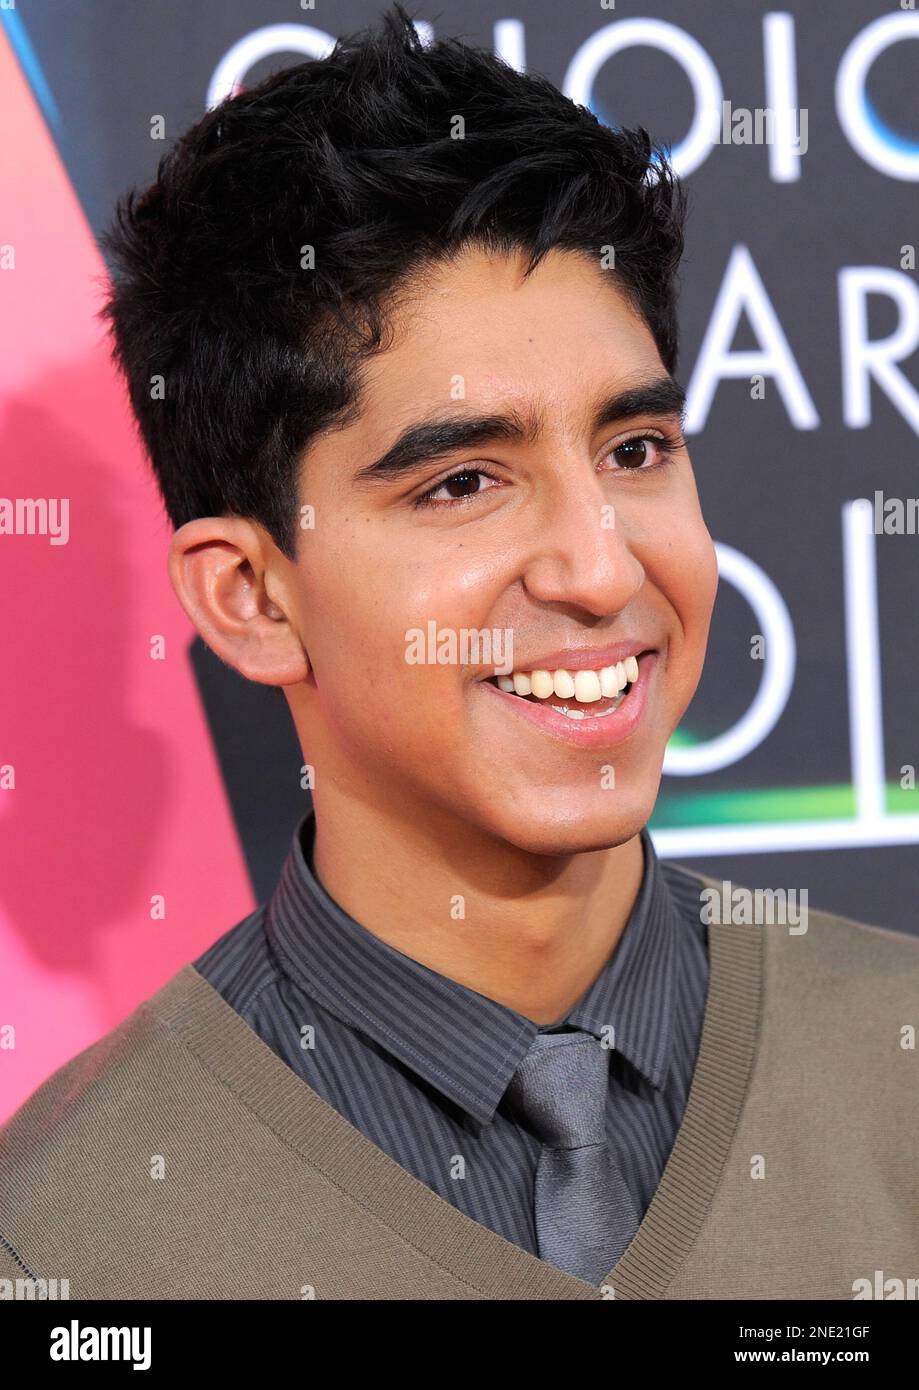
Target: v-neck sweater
[421, 1063]
[179, 1157]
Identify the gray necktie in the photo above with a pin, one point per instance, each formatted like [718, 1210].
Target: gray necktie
[585, 1215]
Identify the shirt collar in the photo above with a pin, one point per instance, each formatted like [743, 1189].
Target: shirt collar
[467, 1045]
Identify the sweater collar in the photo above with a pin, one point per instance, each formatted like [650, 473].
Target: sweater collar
[462, 1043]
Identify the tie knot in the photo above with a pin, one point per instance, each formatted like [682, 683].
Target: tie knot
[560, 1090]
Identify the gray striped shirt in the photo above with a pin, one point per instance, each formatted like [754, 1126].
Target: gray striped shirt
[420, 1063]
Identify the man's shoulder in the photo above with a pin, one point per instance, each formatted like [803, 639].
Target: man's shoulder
[129, 1058]
[818, 957]
[117, 1061]
[829, 929]
[145, 1162]
[86, 1134]
[856, 946]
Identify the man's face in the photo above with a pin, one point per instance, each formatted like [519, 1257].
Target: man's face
[583, 538]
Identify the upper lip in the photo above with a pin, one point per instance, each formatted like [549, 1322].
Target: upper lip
[582, 658]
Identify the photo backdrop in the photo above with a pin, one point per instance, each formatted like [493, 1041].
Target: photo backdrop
[147, 796]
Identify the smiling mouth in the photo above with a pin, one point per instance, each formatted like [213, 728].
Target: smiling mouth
[582, 694]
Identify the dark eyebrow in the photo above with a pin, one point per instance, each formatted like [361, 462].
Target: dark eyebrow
[422, 443]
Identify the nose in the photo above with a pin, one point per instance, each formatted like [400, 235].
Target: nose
[580, 553]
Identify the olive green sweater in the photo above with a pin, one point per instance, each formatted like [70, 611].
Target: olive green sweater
[179, 1157]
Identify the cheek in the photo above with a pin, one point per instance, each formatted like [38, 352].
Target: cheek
[685, 569]
[367, 610]
[706, 564]
[695, 577]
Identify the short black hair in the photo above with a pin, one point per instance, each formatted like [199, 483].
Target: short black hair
[353, 155]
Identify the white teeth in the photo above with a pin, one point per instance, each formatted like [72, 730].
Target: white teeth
[542, 684]
[609, 682]
[585, 686]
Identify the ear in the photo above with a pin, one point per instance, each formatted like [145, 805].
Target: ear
[221, 570]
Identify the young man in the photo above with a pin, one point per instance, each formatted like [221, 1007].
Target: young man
[415, 314]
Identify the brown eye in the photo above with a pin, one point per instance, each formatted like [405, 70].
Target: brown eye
[634, 452]
[644, 453]
[459, 487]
[463, 484]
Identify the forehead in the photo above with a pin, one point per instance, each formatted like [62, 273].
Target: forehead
[473, 328]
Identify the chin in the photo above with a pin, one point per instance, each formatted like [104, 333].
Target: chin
[564, 833]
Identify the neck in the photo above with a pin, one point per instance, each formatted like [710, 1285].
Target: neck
[530, 931]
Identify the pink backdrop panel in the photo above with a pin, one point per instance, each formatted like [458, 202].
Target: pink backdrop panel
[118, 856]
